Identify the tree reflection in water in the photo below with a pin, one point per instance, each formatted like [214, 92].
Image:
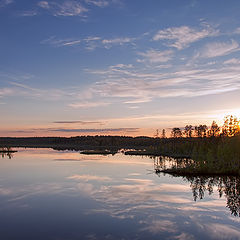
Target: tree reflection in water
[228, 186]
[6, 152]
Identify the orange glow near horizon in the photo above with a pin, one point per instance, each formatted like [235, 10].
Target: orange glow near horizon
[134, 126]
[28, 133]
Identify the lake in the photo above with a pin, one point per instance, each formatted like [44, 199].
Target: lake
[65, 195]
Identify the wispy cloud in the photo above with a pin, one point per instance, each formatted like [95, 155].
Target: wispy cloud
[4, 3]
[77, 122]
[78, 130]
[217, 49]
[65, 8]
[6, 92]
[23, 90]
[91, 130]
[156, 56]
[71, 7]
[117, 41]
[89, 43]
[29, 13]
[237, 30]
[135, 85]
[121, 66]
[139, 100]
[61, 42]
[44, 4]
[182, 37]
[232, 61]
[88, 104]
[98, 3]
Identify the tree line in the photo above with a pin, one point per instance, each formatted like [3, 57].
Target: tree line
[230, 128]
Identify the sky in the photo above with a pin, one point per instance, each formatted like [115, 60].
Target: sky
[117, 67]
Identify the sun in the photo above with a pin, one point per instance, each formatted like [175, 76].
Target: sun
[221, 114]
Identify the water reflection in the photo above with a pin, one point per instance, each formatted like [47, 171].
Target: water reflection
[71, 196]
[163, 163]
[228, 186]
[6, 152]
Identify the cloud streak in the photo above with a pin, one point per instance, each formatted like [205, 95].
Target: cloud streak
[88, 43]
[68, 8]
[217, 49]
[155, 56]
[182, 37]
[65, 8]
[117, 41]
[69, 42]
[77, 122]
[78, 130]
[88, 104]
[143, 85]
[98, 3]
[94, 130]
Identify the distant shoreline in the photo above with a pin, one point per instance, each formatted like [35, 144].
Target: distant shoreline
[205, 155]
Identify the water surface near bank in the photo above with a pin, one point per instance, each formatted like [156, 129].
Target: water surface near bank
[47, 194]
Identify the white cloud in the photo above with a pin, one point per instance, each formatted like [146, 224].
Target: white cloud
[136, 86]
[90, 39]
[71, 43]
[217, 49]
[61, 42]
[66, 8]
[88, 104]
[98, 3]
[44, 4]
[121, 66]
[232, 61]
[140, 100]
[70, 8]
[108, 43]
[92, 42]
[29, 13]
[89, 43]
[155, 56]
[182, 37]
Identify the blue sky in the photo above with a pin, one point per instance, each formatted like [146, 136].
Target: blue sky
[76, 67]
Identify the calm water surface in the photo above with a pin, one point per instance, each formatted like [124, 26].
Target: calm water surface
[47, 194]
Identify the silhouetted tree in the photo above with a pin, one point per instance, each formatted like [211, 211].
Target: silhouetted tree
[156, 135]
[214, 130]
[230, 126]
[176, 132]
[201, 131]
[163, 135]
[188, 130]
